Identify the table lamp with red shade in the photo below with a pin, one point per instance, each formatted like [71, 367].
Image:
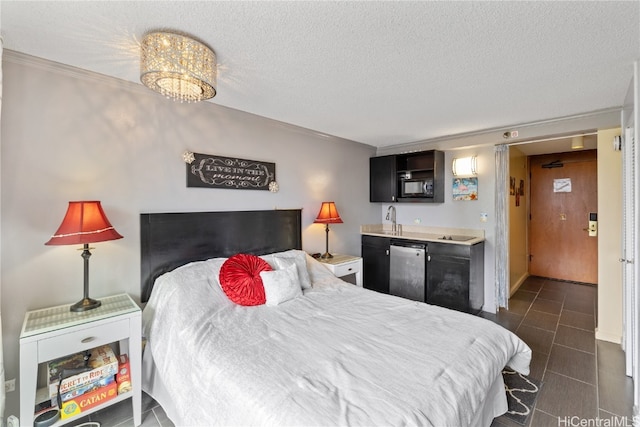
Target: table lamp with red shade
[328, 215]
[85, 222]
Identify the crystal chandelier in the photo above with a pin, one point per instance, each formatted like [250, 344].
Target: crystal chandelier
[178, 67]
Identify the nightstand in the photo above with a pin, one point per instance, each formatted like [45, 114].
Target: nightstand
[55, 332]
[344, 265]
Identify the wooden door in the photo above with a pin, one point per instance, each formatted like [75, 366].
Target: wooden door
[563, 193]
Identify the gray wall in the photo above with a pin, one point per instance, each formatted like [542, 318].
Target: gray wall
[71, 135]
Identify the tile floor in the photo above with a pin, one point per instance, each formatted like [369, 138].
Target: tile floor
[121, 415]
[582, 377]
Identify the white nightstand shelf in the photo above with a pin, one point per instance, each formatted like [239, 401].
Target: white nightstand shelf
[55, 332]
[344, 265]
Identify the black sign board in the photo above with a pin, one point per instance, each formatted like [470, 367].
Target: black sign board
[228, 172]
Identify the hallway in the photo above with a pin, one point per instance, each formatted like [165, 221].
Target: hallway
[581, 376]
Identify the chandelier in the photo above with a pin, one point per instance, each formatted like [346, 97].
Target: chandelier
[178, 67]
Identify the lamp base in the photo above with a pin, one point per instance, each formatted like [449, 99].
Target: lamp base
[326, 255]
[85, 304]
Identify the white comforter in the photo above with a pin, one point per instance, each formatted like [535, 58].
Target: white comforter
[338, 355]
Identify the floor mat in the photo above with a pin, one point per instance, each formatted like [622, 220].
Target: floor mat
[522, 392]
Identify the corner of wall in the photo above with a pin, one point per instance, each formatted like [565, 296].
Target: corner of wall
[610, 298]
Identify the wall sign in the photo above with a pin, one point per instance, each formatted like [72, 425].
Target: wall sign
[562, 185]
[205, 170]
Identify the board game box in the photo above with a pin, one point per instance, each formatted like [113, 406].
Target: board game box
[101, 362]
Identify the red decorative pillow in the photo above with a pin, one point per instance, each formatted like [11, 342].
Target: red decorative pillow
[240, 279]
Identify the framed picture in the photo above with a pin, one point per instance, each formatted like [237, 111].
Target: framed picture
[465, 188]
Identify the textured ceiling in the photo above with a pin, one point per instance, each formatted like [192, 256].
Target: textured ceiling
[380, 73]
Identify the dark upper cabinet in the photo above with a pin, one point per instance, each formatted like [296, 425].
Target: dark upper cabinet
[375, 260]
[393, 178]
[383, 179]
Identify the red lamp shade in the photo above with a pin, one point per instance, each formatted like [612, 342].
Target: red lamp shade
[84, 222]
[328, 214]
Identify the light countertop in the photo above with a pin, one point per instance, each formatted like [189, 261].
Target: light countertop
[460, 236]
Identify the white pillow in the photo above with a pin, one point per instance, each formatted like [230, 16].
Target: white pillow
[280, 285]
[283, 260]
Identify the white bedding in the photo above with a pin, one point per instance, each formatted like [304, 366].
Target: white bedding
[337, 355]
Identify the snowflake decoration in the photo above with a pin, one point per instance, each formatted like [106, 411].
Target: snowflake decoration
[274, 187]
[188, 157]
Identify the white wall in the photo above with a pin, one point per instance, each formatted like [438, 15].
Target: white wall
[518, 222]
[70, 135]
[609, 324]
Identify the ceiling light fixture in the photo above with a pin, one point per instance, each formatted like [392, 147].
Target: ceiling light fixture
[577, 142]
[178, 67]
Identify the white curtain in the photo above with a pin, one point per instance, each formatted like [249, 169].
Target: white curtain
[2, 395]
[502, 224]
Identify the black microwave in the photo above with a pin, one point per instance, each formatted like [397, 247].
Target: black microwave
[416, 187]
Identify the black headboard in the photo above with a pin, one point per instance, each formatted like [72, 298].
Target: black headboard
[169, 240]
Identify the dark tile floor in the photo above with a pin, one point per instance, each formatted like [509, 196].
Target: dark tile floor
[121, 415]
[581, 377]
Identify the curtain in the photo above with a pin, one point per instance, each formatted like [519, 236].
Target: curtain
[502, 224]
[2, 394]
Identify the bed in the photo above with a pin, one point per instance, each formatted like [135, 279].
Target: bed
[332, 354]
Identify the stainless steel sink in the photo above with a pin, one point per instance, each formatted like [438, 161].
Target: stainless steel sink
[456, 238]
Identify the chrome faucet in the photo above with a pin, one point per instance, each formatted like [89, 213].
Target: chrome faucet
[391, 216]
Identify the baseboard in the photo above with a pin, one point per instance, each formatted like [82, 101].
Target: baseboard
[603, 336]
[518, 283]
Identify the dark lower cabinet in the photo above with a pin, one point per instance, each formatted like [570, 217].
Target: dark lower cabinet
[454, 273]
[455, 276]
[375, 263]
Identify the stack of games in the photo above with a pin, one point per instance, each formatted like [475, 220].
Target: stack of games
[83, 380]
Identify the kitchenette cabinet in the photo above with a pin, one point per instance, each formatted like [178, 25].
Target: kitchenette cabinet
[453, 274]
[375, 261]
[413, 177]
[383, 179]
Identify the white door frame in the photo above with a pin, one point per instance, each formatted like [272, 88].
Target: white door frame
[630, 121]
